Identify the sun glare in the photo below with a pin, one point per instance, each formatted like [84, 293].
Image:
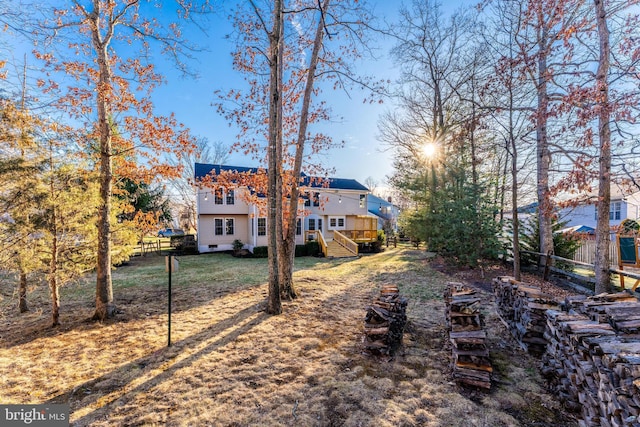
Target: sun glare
[429, 149]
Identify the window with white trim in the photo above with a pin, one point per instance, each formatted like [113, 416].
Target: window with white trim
[615, 211]
[218, 200]
[312, 224]
[218, 227]
[229, 226]
[262, 226]
[231, 197]
[336, 222]
[298, 227]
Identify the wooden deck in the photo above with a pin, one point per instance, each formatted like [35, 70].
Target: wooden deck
[345, 242]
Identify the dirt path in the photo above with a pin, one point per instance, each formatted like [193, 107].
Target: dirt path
[232, 365]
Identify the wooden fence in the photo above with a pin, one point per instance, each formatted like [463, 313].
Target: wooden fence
[157, 246]
[548, 268]
[587, 251]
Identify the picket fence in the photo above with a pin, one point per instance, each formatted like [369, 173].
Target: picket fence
[587, 251]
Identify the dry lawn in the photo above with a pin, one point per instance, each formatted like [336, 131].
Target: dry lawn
[232, 365]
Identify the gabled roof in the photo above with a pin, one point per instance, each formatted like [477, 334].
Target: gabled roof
[618, 193]
[334, 183]
[578, 229]
[202, 170]
[379, 200]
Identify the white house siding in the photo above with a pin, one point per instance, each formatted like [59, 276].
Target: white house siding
[586, 214]
[209, 242]
[346, 198]
[579, 215]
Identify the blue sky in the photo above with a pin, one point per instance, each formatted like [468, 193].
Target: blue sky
[190, 99]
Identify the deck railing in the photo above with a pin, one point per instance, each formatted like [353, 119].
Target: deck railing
[361, 236]
[323, 243]
[347, 243]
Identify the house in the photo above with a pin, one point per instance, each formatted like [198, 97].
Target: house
[625, 204]
[386, 212]
[334, 213]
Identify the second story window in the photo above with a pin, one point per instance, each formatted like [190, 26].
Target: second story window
[362, 200]
[230, 197]
[316, 199]
[218, 197]
[615, 211]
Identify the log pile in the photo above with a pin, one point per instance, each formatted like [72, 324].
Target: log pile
[522, 309]
[471, 363]
[385, 321]
[593, 358]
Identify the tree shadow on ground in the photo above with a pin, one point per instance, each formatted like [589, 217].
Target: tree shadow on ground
[111, 387]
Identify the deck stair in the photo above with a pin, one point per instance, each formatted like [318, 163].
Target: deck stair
[336, 250]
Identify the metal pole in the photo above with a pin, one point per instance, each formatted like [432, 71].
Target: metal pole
[169, 296]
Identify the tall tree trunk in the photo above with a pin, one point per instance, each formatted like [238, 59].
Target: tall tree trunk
[22, 288]
[105, 307]
[289, 243]
[545, 206]
[511, 146]
[514, 203]
[603, 239]
[53, 264]
[22, 285]
[53, 280]
[274, 303]
[281, 249]
[503, 184]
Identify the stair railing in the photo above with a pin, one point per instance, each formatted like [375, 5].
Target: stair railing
[322, 243]
[345, 242]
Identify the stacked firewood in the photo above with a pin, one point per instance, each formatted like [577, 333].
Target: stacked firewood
[385, 321]
[471, 362]
[596, 307]
[522, 309]
[593, 358]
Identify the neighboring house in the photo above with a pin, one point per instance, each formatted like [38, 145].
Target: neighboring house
[385, 211]
[624, 204]
[335, 214]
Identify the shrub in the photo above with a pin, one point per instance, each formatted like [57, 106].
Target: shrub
[261, 252]
[237, 245]
[301, 250]
[309, 249]
[313, 248]
[565, 245]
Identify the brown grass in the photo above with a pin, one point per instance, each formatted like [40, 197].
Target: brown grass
[232, 365]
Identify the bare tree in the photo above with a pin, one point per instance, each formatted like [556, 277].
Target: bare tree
[182, 187]
[325, 36]
[112, 93]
